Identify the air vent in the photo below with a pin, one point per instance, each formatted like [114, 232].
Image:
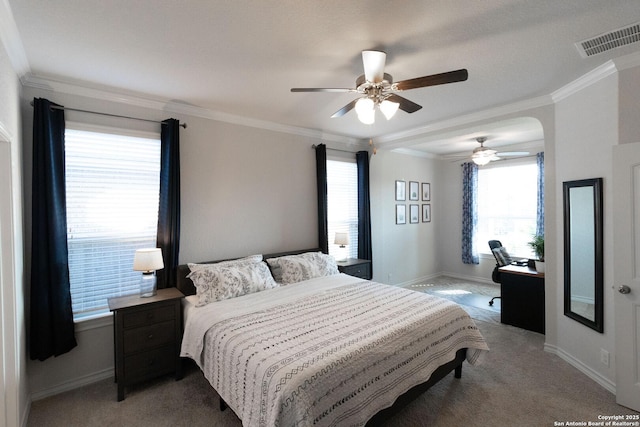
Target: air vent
[610, 40]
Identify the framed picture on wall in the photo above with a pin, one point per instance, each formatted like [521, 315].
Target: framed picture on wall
[426, 213]
[401, 214]
[401, 194]
[426, 191]
[414, 214]
[413, 190]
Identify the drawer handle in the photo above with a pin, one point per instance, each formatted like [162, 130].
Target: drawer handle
[151, 362]
[150, 337]
[150, 315]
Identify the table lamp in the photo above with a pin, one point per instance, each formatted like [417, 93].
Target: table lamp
[342, 240]
[148, 261]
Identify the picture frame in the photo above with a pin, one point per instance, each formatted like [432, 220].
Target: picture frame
[414, 214]
[401, 214]
[414, 187]
[401, 194]
[426, 213]
[426, 192]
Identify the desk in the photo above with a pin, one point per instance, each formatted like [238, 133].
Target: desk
[522, 292]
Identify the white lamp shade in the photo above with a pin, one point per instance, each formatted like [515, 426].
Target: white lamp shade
[148, 260]
[389, 108]
[365, 110]
[341, 239]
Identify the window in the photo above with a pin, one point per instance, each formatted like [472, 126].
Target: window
[342, 209]
[507, 203]
[112, 184]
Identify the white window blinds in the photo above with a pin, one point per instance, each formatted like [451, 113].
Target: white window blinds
[112, 184]
[342, 209]
[507, 206]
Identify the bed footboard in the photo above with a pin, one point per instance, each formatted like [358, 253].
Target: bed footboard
[404, 399]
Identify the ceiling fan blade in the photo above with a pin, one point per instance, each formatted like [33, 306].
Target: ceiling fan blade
[344, 110]
[321, 89]
[373, 61]
[433, 80]
[405, 104]
[513, 153]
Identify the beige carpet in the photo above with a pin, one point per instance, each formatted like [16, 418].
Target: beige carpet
[517, 384]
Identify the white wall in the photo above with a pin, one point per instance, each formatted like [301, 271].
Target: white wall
[14, 402]
[586, 131]
[406, 253]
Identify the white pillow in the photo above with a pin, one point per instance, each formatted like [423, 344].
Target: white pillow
[251, 259]
[296, 268]
[217, 282]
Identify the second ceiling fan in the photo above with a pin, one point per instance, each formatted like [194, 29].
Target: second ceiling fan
[379, 91]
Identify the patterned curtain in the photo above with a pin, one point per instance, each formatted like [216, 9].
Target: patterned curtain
[540, 212]
[469, 213]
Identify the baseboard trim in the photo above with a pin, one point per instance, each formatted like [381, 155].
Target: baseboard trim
[73, 384]
[606, 383]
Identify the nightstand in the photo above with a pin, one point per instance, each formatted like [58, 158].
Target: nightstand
[355, 267]
[147, 336]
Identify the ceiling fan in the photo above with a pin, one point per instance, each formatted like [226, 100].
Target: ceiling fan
[378, 89]
[483, 155]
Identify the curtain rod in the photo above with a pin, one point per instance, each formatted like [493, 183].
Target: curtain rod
[57, 107]
[314, 146]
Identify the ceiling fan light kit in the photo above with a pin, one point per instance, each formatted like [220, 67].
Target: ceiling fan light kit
[483, 155]
[379, 90]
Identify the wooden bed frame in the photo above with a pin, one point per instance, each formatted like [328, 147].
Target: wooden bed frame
[187, 287]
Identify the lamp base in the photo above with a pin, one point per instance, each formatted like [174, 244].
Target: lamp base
[148, 285]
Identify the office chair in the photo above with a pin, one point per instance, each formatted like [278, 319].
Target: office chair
[500, 261]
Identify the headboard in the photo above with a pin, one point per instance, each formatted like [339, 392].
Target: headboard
[186, 286]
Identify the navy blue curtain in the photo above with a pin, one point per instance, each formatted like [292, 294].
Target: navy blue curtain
[469, 213]
[168, 238]
[540, 211]
[364, 206]
[51, 317]
[321, 179]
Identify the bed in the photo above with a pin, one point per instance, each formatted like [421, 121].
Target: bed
[326, 350]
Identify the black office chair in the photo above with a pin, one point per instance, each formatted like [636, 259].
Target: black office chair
[495, 276]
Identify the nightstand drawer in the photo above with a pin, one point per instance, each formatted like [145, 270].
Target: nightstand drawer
[149, 336]
[148, 317]
[361, 270]
[146, 336]
[149, 364]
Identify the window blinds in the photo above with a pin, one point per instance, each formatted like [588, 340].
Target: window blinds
[112, 184]
[342, 200]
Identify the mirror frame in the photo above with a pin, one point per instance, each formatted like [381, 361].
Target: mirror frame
[596, 185]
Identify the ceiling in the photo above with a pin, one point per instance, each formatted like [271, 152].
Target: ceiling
[241, 58]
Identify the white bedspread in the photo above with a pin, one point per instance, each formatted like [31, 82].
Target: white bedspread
[331, 351]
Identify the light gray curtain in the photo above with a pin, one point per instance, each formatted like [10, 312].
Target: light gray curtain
[469, 213]
[540, 210]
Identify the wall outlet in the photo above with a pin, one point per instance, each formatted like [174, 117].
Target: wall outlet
[604, 357]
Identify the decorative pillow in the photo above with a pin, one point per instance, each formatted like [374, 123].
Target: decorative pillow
[296, 268]
[218, 282]
[251, 259]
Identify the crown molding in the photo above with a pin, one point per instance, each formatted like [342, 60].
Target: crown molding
[391, 140]
[592, 77]
[103, 93]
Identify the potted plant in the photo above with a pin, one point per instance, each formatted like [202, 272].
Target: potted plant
[537, 244]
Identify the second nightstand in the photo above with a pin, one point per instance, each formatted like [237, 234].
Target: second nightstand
[147, 334]
[356, 267]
